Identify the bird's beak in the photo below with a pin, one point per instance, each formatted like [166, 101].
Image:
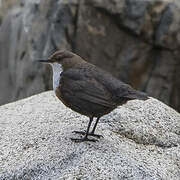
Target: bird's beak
[43, 60]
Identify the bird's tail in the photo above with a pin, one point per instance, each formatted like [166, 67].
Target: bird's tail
[137, 95]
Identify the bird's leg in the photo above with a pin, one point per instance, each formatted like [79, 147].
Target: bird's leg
[85, 138]
[92, 132]
[94, 128]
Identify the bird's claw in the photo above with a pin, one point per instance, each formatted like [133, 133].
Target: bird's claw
[96, 135]
[89, 134]
[80, 132]
[83, 139]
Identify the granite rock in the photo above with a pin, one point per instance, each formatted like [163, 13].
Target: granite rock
[141, 141]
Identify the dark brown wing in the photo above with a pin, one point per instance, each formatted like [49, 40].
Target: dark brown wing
[84, 94]
[120, 90]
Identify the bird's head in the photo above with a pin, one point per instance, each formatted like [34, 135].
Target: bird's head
[63, 57]
[58, 57]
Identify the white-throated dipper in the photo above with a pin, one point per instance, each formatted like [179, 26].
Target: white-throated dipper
[87, 89]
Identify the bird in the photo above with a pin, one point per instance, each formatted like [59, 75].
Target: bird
[87, 89]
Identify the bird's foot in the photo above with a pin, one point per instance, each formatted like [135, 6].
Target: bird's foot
[83, 139]
[89, 134]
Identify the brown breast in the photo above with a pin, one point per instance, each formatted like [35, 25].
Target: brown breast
[60, 97]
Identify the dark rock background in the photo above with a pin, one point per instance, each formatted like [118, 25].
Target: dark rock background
[138, 41]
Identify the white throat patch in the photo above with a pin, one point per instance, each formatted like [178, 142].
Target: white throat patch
[57, 69]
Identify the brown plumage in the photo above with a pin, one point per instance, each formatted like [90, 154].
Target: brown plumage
[89, 90]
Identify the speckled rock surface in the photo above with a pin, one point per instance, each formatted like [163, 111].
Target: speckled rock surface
[141, 141]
